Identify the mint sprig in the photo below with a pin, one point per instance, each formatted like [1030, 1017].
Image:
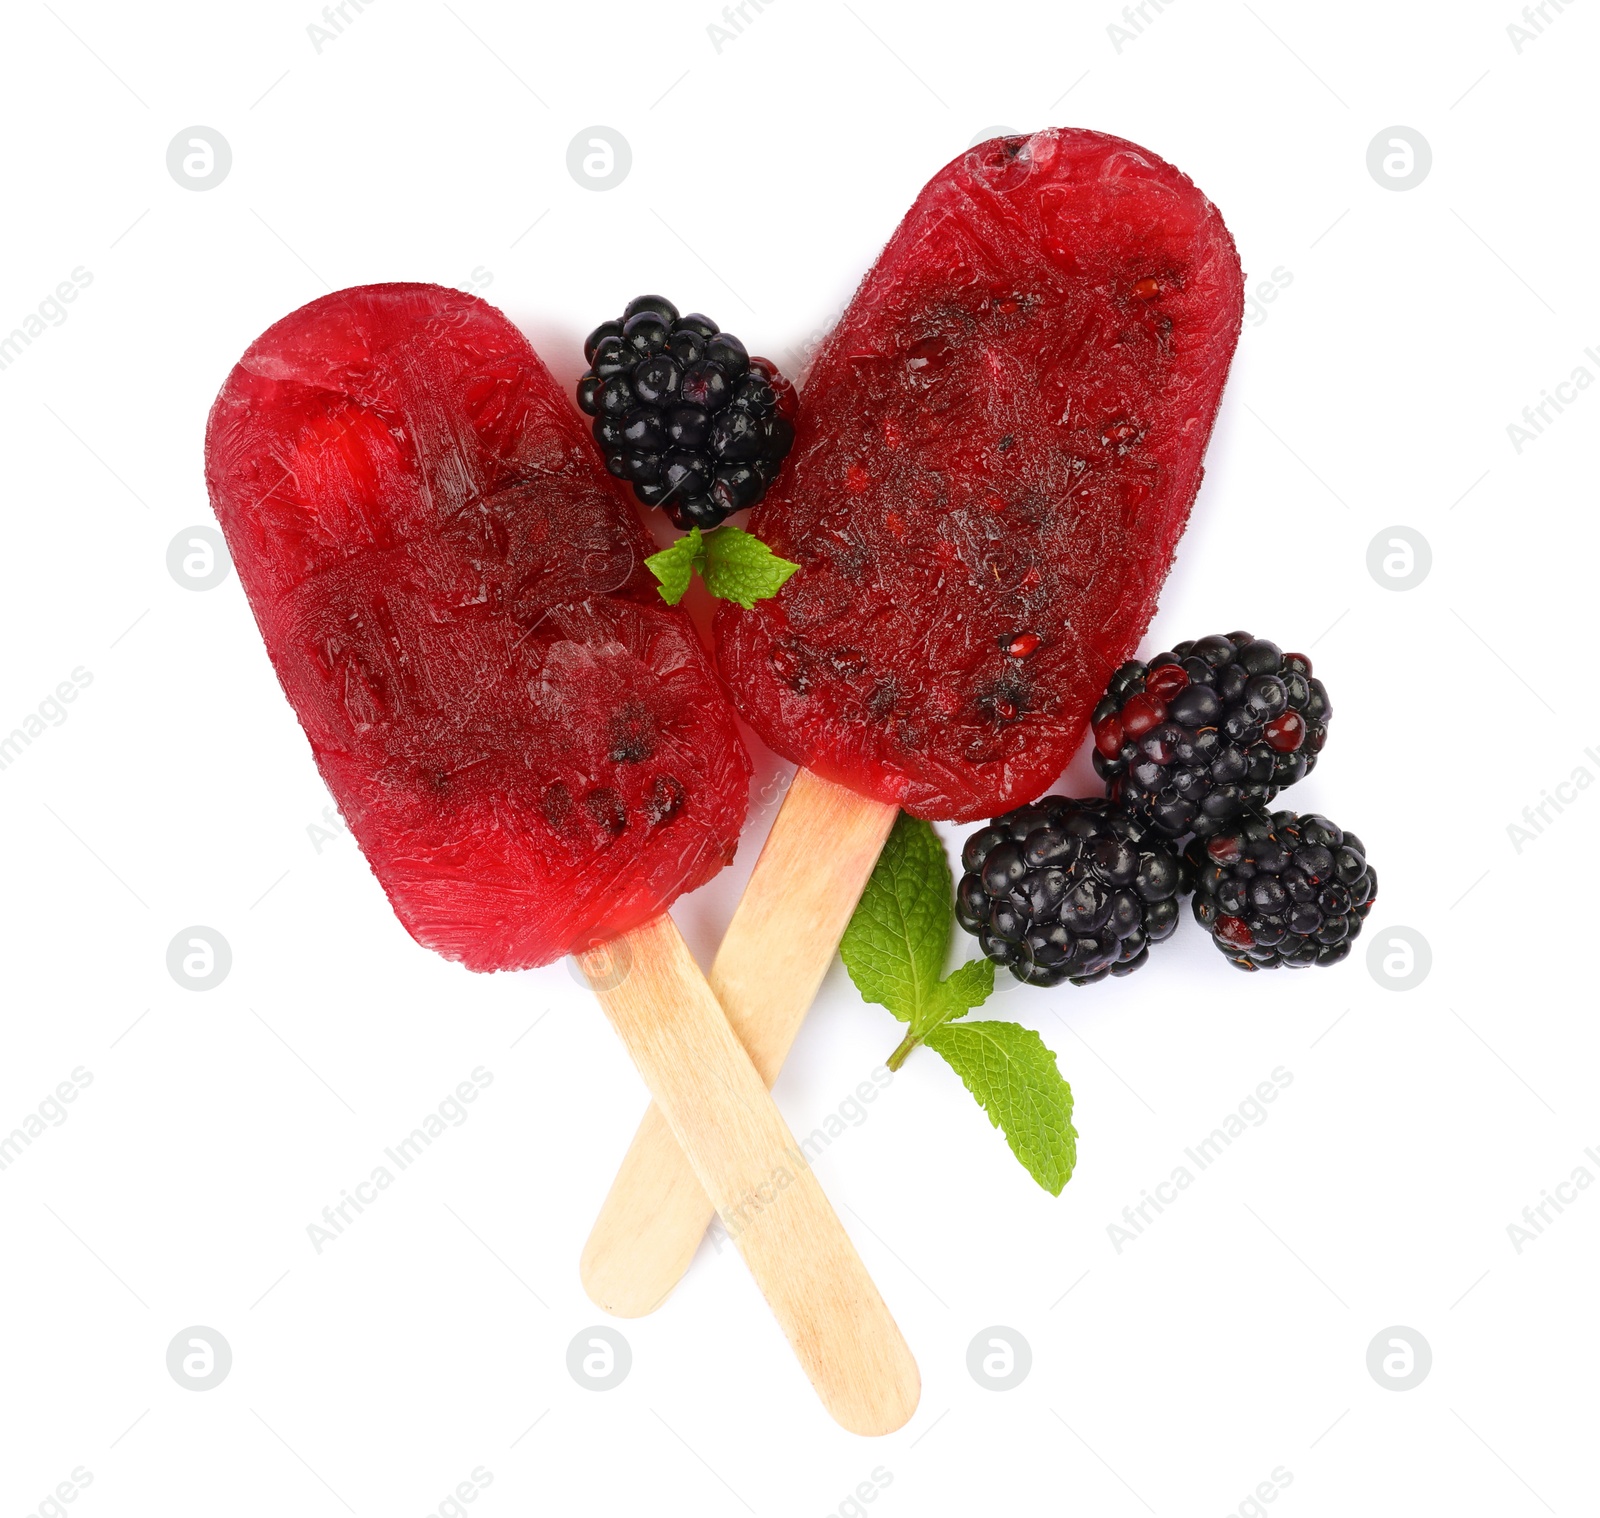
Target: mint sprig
[895, 948]
[735, 565]
[674, 567]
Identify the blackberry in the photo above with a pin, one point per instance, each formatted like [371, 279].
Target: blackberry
[1283, 889]
[1069, 890]
[1199, 735]
[683, 413]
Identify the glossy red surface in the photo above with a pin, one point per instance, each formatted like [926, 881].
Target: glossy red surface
[997, 450]
[531, 749]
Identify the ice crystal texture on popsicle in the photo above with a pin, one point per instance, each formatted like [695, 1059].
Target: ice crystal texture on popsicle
[997, 450]
[530, 748]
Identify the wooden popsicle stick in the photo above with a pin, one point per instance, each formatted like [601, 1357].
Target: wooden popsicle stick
[720, 1113]
[812, 870]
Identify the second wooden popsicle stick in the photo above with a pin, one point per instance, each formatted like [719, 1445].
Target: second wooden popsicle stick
[719, 1111]
[812, 870]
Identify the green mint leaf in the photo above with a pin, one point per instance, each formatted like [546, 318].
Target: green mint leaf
[740, 567]
[895, 944]
[1014, 1076]
[676, 565]
[734, 565]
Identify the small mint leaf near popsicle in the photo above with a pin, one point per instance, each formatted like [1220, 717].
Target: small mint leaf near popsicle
[734, 565]
[1014, 1077]
[899, 934]
[740, 567]
[674, 567]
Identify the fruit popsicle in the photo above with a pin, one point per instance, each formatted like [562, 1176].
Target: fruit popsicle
[996, 453]
[530, 748]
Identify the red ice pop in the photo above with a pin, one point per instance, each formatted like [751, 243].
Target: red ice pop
[996, 453]
[531, 749]
[527, 744]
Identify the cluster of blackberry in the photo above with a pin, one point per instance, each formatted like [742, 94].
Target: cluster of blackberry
[1192, 746]
[1069, 890]
[1282, 890]
[683, 413]
[1214, 728]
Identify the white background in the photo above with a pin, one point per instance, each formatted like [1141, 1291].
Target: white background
[429, 141]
